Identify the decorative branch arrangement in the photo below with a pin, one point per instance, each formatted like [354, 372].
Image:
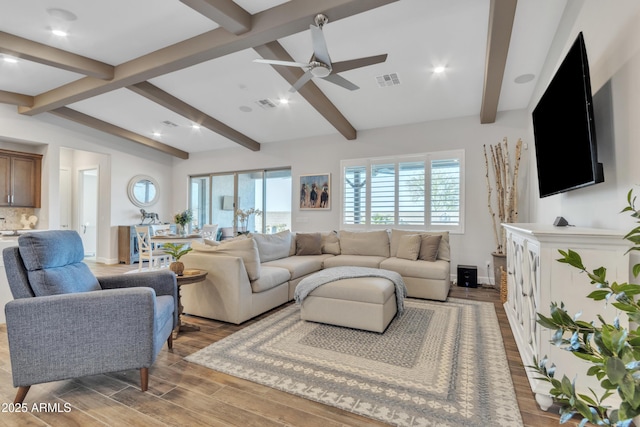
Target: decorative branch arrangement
[502, 180]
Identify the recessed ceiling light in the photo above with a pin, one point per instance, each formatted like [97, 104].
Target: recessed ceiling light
[439, 69]
[283, 101]
[59, 33]
[245, 109]
[524, 78]
[157, 134]
[195, 126]
[10, 59]
[62, 14]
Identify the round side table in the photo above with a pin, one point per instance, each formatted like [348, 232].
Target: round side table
[189, 277]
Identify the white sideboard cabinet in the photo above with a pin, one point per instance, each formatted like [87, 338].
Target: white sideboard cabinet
[536, 279]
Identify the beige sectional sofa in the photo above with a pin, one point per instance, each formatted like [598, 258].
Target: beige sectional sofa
[248, 276]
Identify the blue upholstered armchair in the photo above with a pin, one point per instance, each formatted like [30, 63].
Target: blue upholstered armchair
[66, 323]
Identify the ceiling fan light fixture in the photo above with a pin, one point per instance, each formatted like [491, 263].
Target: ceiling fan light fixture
[319, 69]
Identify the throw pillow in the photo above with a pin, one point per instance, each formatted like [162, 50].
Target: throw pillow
[244, 248]
[273, 246]
[330, 243]
[308, 244]
[444, 251]
[372, 243]
[430, 244]
[409, 247]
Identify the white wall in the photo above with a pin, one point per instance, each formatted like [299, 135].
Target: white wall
[323, 154]
[612, 37]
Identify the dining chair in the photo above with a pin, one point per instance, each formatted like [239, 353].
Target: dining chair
[156, 257]
[160, 229]
[210, 231]
[227, 233]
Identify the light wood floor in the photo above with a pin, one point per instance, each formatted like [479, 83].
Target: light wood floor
[185, 394]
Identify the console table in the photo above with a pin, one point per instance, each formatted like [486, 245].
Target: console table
[535, 280]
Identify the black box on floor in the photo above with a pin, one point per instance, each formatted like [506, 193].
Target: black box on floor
[468, 276]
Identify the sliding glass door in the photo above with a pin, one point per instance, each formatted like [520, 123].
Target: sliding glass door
[268, 191]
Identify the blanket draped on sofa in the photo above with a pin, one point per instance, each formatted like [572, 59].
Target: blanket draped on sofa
[328, 275]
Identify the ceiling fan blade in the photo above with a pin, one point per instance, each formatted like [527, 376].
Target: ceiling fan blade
[286, 63]
[341, 81]
[320, 50]
[301, 81]
[351, 64]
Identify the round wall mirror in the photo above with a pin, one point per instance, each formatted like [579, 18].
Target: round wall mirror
[143, 191]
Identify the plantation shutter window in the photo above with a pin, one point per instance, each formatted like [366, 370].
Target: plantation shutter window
[423, 191]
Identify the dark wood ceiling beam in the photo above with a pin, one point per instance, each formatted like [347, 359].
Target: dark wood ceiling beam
[178, 106]
[92, 122]
[13, 98]
[310, 91]
[54, 57]
[272, 24]
[225, 13]
[501, 15]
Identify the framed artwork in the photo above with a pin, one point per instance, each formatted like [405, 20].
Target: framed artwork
[315, 191]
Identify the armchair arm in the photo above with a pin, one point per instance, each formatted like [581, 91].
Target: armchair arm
[71, 335]
[163, 282]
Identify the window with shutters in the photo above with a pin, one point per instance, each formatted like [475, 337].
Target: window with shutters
[423, 191]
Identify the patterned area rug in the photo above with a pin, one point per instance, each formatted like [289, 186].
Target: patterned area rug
[437, 364]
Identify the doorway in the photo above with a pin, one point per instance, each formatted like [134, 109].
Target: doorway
[88, 210]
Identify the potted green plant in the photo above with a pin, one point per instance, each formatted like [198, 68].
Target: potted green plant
[176, 250]
[612, 350]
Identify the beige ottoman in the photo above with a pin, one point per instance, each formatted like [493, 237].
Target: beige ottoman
[367, 303]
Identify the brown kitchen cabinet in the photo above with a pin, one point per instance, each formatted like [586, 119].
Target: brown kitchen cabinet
[20, 179]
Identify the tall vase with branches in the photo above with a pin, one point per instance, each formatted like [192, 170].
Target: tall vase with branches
[502, 189]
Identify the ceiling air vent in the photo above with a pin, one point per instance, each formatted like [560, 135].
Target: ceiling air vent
[169, 123]
[388, 80]
[267, 104]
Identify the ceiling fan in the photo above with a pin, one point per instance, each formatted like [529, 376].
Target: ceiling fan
[320, 64]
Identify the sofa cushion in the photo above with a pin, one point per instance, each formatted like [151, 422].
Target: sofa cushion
[308, 244]
[444, 250]
[243, 248]
[355, 260]
[299, 266]
[429, 246]
[273, 246]
[371, 243]
[330, 243]
[438, 270]
[270, 277]
[410, 247]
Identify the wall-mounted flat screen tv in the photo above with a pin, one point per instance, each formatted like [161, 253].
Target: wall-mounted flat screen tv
[564, 129]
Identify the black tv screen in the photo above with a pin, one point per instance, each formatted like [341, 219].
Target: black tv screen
[564, 130]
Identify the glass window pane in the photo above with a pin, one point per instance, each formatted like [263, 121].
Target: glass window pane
[250, 197]
[383, 194]
[355, 195]
[277, 209]
[222, 203]
[200, 200]
[411, 195]
[445, 192]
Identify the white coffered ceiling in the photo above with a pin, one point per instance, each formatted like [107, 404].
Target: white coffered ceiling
[211, 78]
